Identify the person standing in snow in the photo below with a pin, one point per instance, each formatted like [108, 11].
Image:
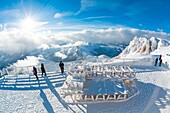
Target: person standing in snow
[35, 72]
[43, 69]
[160, 57]
[150, 44]
[160, 62]
[61, 65]
[156, 61]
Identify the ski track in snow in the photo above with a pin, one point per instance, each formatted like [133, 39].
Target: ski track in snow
[43, 96]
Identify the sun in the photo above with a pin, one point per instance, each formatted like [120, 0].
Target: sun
[28, 23]
[31, 24]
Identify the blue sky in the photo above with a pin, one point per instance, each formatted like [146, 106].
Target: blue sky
[72, 15]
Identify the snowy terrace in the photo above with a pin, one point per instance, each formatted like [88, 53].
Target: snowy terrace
[22, 92]
[88, 84]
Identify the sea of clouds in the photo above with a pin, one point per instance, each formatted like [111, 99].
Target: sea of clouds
[16, 41]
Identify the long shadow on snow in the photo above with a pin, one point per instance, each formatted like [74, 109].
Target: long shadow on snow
[52, 88]
[30, 83]
[151, 99]
[46, 103]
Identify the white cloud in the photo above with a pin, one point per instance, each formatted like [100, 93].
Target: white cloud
[115, 35]
[98, 17]
[15, 41]
[60, 15]
[85, 4]
[59, 23]
[11, 12]
[41, 23]
[25, 26]
[1, 26]
[160, 30]
[140, 25]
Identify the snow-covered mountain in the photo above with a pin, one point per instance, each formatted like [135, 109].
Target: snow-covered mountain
[78, 51]
[66, 52]
[82, 50]
[141, 45]
[147, 50]
[7, 59]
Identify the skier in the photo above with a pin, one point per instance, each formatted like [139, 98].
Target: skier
[156, 61]
[160, 62]
[61, 65]
[43, 69]
[35, 72]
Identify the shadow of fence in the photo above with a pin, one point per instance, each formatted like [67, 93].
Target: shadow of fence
[29, 82]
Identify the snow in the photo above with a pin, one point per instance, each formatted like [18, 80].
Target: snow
[23, 93]
[61, 55]
[29, 61]
[141, 45]
[43, 95]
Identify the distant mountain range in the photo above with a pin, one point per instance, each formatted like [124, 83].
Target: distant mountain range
[68, 52]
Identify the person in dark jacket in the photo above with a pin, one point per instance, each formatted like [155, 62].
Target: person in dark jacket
[35, 72]
[61, 65]
[160, 57]
[156, 61]
[160, 62]
[43, 69]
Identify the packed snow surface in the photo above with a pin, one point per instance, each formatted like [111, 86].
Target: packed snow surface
[25, 94]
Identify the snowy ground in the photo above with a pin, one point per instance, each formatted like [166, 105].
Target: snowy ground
[25, 94]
